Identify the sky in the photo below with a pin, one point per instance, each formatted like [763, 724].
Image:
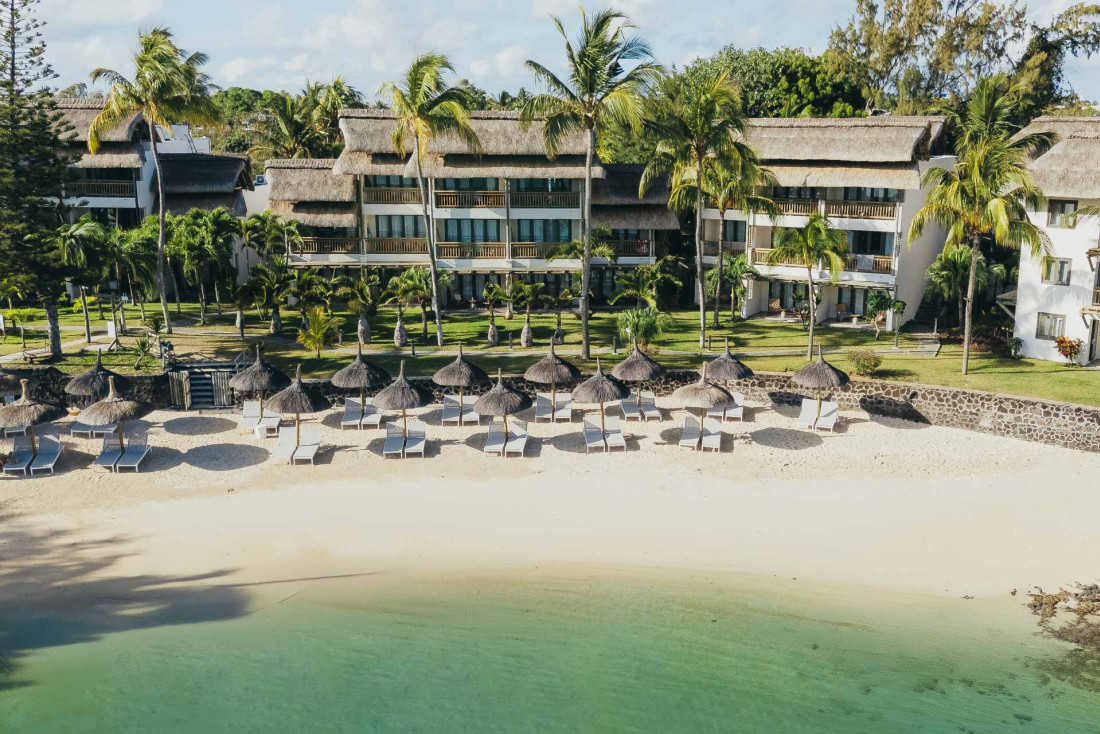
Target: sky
[267, 44]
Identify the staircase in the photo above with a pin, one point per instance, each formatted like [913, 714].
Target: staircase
[204, 385]
[926, 314]
[202, 389]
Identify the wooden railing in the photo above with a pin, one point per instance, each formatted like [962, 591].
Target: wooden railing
[473, 250]
[862, 209]
[1096, 296]
[798, 206]
[877, 264]
[325, 246]
[469, 199]
[395, 246]
[533, 250]
[710, 249]
[546, 200]
[100, 188]
[383, 195]
[760, 257]
[630, 248]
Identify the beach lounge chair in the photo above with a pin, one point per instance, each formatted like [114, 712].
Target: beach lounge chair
[712, 434]
[689, 439]
[109, 454]
[808, 415]
[517, 439]
[593, 437]
[458, 412]
[829, 413]
[9, 399]
[417, 441]
[82, 429]
[371, 415]
[17, 431]
[544, 409]
[250, 416]
[563, 410]
[395, 441]
[649, 407]
[353, 414]
[631, 408]
[309, 446]
[496, 439]
[268, 426]
[137, 448]
[733, 412]
[21, 457]
[49, 451]
[288, 443]
[613, 433]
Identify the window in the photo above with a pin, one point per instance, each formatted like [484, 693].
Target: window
[1051, 326]
[395, 225]
[796, 192]
[544, 230]
[871, 243]
[1059, 211]
[391, 182]
[1055, 271]
[466, 184]
[543, 185]
[625, 235]
[734, 231]
[471, 230]
[863, 193]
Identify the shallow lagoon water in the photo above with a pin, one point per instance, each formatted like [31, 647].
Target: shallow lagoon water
[563, 650]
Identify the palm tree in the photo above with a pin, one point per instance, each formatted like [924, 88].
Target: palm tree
[525, 295]
[696, 126]
[193, 237]
[308, 287]
[272, 286]
[222, 229]
[416, 287]
[425, 108]
[563, 300]
[139, 254]
[574, 250]
[241, 295]
[732, 270]
[77, 245]
[12, 286]
[288, 130]
[642, 325]
[644, 284]
[949, 275]
[319, 331]
[987, 193]
[598, 91]
[168, 86]
[493, 294]
[360, 297]
[811, 246]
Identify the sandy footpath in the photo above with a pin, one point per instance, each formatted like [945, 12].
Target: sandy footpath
[882, 503]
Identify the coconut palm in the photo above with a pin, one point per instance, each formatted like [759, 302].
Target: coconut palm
[139, 254]
[642, 325]
[288, 129]
[272, 286]
[360, 297]
[308, 288]
[988, 190]
[813, 246]
[732, 271]
[192, 240]
[425, 108]
[598, 91]
[525, 295]
[241, 295]
[949, 276]
[168, 86]
[319, 331]
[644, 284]
[78, 246]
[493, 295]
[563, 300]
[415, 287]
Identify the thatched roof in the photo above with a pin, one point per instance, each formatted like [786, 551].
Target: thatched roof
[466, 166]
[600, 388]
[183, 203]
[317, 214]
[79, 113]
[9, 384]
[360, 374]
[727, 367]
[634, 217]
[884, 139]
[292, 400]
[702, 395]
[620, 187]
[820, 375]
[638, 367]
[460, 373]
[897, 176]
[1062, 126]
[308, 179]
[95, 382]
[551, 370]
[111, 155]
[259, 377]
[26, 411]
[206, 173]
[401, 395]
[501, 400]
[112, 409]
[1071, 169]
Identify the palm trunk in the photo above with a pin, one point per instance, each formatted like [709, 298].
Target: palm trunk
[586, 235]
[240, 321]
[175, 287]
[202, 300]
[84, 308]
[99, 306]
[53, 330]
[813, 313]
[429, 229]
[161, 281]
[217, 297]
[276, 320]
[718, 268]
[701, 287]
[121, 306]
[975, 253]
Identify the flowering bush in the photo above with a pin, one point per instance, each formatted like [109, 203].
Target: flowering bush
[1068, 348]
[865, 361]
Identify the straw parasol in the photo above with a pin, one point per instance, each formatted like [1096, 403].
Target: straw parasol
[461, 373]
[639, 368]
[502, 401]
[26, 412]
[113, 409]
[726, 367]
[9, 384]
[820, 376]
[400, 395]
[93, 383]
[260, 378]
[600, 388]
[552, 370]
[294, 400]
[360, 374]
[702, 395]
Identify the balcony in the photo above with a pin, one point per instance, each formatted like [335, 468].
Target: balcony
[472, 250]
[862, 209]
[326, 246]
[546, 200]
[883, 264]
[760, 257]
[630, 248]
[799, 207]
[533, 250]
[710, 249]
[395, 246]
[469, 199]
[121, 189]
[382, 195]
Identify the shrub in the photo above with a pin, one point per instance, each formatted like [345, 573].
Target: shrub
[155, 322]
[17, 316]
[1015, 346]
[865, 361]
[78, 304]
[1070, 349]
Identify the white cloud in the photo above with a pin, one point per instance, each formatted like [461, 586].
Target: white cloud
[509, 60]
[86, 12]
[243, 66]
[450, 32]
[296, 63]
[479, 68]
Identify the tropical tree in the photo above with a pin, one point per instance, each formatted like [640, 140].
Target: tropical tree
[415, 287]
[425, 108]
[193, 241]
[138, 253]
[78, 246]
[813, 246]
[644, 284]
[308, 288]
[642, 324]
[493, 295]
[608, 73]
[524, 295]
[241, 295]
[560, 302]
[168, 86]
[731, 271]
[319, 331]
[360, 298]
[272, 285]
[288, 129]
[949, 276]
[987, 192]
[878, 302]
[14, 285]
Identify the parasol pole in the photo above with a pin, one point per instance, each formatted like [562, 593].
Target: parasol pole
[121, 442]
[34, 444]
[261, 404]
[404, 424]
[297, 429]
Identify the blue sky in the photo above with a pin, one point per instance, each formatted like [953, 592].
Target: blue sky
[278, 45]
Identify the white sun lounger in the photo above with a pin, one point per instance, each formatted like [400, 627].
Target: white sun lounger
[395, 441]
[288, 442]
[613, 433]
[49, 451]
[137, 448]
[456, 412]
[829, 414]
[371, 415]
[733, 412]
[268, 425]
[563, 410]
[417, 441]
[544, 409]
[689, 439]
[17, 431]
[353, 414]
[649, 407]
[630, 408]
[593, 437]
[712, 435]
[808, 414]
[21, 457]
[250, 415]
[82, 429]
[309, 446]
[109, 454]
[495, 439]
[517, 438]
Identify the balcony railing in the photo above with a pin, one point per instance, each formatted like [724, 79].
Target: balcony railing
[546, 200]
[870, 264]
[473, 250]
[803, 207]
[760, 257]
[395, 246]
[101, 188]
[326, 246]
[710, 249]
[862, 209]
[382, 195]
[533, 250]
[469, 199]
[630, 248]
[1096, 296]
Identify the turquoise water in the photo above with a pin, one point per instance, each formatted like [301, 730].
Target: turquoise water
[603, 651]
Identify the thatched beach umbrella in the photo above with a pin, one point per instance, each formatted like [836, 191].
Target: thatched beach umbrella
[552, 370]
[703, 396]
[600, 388]
[820, 376]
[94, 382]
[462, 373]
[293, 400]
[400, 395]
[639, 368]
[26, 412]
[360, 375]
[502, 401]
[727, 368]
[9, 384]
[260, 378]
[113, 409]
